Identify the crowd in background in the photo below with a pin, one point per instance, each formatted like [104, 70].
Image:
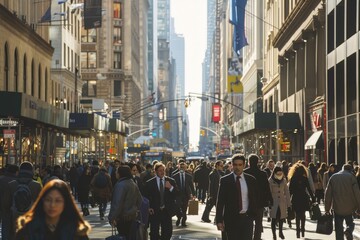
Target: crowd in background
[283, 187]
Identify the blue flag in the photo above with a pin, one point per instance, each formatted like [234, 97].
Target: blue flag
[47, 16]
[237, 18]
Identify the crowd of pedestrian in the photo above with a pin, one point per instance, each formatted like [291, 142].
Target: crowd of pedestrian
[41, 203]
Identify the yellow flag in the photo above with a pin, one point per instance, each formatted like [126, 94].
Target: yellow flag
[234, 84]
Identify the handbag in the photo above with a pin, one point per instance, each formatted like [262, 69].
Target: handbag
[291, 214]
[114, 235]
[325, 224]
[315, 212]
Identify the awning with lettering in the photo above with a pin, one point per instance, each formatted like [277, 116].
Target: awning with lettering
[316, 141]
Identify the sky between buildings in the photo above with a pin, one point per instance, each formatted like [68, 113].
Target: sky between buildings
[190, 20]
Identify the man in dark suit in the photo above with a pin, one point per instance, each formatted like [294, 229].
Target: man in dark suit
[186, 191]
[264, 198]
[214, 179]
[236, 202]
[161, 192]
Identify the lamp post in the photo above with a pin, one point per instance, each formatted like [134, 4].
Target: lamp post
[278, 130]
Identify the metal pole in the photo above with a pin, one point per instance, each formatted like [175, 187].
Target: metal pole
[230, 132]
[278, 157]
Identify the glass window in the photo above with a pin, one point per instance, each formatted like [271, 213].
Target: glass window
[89, 89]
[330, 32]
[351, 82]
[88, 35]
[117, 10]
[351, 18]
[331, 94]
[117, 35]
[117, 88]
[340, 24]
[339, 91]
[92, 59]
[88, 60]
[117, 60]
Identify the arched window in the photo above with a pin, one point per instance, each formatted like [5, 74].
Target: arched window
[6, 67]
[16, 72]
[39, 82]
[24, 73]
[32, 91]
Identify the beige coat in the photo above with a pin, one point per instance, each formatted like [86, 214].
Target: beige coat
[281, 198]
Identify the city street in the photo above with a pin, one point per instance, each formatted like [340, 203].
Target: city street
[197, 230]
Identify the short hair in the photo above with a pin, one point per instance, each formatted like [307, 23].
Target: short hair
[218, 162]
[157, 165]
[347, 167]
[148, 166]
[181, 160]
[253, 159]
[238, 156]
[124, 171]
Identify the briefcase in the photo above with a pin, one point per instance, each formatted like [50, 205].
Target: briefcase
[325, 224]
[193, 207]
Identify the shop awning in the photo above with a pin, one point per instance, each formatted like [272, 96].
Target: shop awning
[316, 141]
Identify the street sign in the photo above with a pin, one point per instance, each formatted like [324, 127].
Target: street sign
[8, 122]
[9, 133]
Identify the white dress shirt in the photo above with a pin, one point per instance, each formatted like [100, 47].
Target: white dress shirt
[244, 193]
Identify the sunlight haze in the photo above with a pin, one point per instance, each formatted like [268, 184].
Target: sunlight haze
[190, 20]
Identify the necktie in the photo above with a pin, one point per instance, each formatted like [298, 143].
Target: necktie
[182, 181]
[161, 193]
[238, 186]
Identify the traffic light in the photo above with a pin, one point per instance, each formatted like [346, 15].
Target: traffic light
[186, 103]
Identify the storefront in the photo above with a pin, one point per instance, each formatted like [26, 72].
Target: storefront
[256, 133]
[102, 138]
[28, 129]
[315, 133]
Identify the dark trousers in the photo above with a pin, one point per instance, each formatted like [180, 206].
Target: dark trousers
[6, 227]
[209, 205]
[102, 208]
[124, 228]
[163, 219]
[202, 194]
[182, 214]
[258, 219]
[239, 228]
[339, 229]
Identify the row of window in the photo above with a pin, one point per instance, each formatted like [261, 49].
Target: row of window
[21, 85]
[342, 22]
[343, 85]
[89, 88]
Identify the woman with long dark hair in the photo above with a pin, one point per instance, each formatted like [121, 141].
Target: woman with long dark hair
[54, 215]
[299, 188]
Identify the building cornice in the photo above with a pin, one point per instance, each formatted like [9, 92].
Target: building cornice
[24, 30]
[296, 18]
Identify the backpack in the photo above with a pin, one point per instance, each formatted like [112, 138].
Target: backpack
[100, 180]
[22, 200]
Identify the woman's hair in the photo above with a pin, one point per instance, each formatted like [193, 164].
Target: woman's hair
[322, 167]
[298, 169]
[37, 213]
